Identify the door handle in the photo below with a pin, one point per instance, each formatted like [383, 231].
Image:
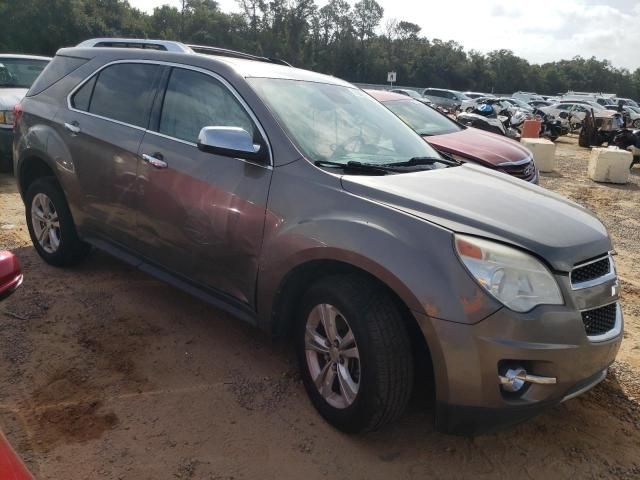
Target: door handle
[72, 128]
[154, 160]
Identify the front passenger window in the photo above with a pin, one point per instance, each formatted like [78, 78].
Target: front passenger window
[194, 100]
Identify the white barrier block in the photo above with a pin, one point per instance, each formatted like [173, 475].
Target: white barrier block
[609, 165]
[544, 152]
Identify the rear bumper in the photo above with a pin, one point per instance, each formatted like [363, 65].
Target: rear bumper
[548, 341]
[6, 147]
[6, 142]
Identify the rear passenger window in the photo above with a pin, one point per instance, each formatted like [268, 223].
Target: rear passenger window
[194, 100]
[122, 92]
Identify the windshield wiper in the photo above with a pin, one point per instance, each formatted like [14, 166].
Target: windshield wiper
[356, 166]
[417, 161]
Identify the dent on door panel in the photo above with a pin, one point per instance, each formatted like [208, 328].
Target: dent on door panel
[203, 217]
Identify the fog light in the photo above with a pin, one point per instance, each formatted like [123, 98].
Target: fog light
[513, 379]
[517, 377]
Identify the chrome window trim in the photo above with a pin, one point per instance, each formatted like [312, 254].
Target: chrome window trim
[610, 275]
[617, 326]
[214, 75]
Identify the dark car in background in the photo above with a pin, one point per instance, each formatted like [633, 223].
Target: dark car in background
[463, 143]
[308, 209]
[17, 74]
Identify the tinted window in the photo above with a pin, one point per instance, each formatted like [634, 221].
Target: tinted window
[124, 92]
[59, 68]
[194, 100]
[82, 97]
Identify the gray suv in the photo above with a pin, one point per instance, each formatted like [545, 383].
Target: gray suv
[305, 207]
[449, 99]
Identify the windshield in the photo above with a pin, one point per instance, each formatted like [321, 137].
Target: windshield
[339, 124]
[423, 119]
[19, 72]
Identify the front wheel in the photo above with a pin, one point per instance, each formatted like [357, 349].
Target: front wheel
[636, 123]
[354, 353]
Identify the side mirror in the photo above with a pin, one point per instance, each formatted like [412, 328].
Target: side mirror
[231, 142]
[10, 274]
[564, 115]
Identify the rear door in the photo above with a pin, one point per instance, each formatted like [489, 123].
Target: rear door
[202, 215]
[103, 128]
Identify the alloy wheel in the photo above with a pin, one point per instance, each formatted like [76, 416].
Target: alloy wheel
[332, 356]
[45, 222]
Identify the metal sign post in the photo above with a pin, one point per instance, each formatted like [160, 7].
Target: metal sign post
[391, 78]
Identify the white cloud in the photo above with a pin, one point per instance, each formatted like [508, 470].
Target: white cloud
[543, 31]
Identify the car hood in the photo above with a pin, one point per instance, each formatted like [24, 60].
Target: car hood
[477, 201]
[9, 97]
[483, 147]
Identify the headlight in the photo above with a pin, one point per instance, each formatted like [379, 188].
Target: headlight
[516, 279]
[6, 117]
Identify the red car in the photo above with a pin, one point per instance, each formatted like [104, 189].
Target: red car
[463, 143]
[11, 467]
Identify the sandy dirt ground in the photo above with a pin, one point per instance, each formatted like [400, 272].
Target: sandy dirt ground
[108, 373]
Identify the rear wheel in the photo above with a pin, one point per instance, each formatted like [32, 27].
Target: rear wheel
[354, 353]
[636, 123]
[50, 224]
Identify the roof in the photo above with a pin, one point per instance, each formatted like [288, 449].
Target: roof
[252, 68]
[385, 96]
[26, 57]
[243, 67]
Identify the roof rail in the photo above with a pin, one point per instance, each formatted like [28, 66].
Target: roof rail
[204, 49]
[163, 45]
[172, 46]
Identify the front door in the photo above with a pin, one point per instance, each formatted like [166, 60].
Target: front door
[201, 215]
[103, 129]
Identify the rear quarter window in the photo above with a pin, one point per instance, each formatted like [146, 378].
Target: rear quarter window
[60, 67]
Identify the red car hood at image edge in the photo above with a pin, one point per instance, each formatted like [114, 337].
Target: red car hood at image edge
[11, 467]
[483, 147]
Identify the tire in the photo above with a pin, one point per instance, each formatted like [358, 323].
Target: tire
[383, 370]
[636, 123]
[69, 249]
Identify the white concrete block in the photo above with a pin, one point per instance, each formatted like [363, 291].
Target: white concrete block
[609, 165]
[544, 152]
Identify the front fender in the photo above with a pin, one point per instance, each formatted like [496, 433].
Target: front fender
[415, 258]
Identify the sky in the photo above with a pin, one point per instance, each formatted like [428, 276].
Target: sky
[539, 30]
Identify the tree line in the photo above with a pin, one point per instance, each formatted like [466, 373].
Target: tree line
[350, 41]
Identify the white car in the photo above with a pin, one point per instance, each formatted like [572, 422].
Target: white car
[578, 109]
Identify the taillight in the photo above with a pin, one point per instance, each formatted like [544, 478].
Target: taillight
[17, 113]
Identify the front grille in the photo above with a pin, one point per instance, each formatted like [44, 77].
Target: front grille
[524, 171]
[590, 271]
[599, 320]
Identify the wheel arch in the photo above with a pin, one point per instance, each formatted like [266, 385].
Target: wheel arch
[302, 276]
[32, 165]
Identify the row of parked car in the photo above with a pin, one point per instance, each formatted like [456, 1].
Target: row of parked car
[357, 224]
